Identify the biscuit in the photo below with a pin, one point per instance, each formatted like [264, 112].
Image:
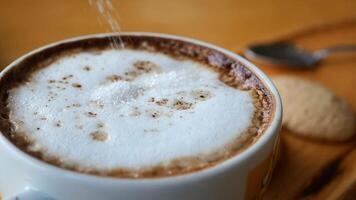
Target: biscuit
[313, 111]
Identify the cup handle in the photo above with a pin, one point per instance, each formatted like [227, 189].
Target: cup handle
[30, 194]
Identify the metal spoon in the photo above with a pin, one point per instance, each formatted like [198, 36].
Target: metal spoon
[289, 55]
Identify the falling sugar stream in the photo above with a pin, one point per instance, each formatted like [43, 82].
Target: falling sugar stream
[109, 16]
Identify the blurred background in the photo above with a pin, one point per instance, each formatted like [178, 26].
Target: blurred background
[232, 24]
[27, 24]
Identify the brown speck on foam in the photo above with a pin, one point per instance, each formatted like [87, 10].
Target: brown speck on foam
[51, 81]
[67, 77]
[114, 78]
[135, 113]
[152, 99]
[76, 105]
[91, 114]
[140, 67]
[201, 95]
[146, 66]
[58, 124]
[162, 102]
[181, 105]
[100, 125]
[77, 85]
[155, 114]
[99, 136]
[38, 128]
[133, 74]
[87, 68]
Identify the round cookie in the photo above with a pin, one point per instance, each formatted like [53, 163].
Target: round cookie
[312, 110]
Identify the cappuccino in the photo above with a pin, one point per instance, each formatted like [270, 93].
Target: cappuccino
[158, 107]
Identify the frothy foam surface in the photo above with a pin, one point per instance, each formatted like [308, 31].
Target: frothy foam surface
[128, 109]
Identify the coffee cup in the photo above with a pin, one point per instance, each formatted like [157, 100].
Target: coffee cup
[242, 174]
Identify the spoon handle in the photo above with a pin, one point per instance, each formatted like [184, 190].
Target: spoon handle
[322, 53]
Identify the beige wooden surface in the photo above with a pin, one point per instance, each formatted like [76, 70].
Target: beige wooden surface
[307, 169]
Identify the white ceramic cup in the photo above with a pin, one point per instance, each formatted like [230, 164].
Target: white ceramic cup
[243, 176]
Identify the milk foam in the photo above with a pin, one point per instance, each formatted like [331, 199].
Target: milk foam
[128, 109]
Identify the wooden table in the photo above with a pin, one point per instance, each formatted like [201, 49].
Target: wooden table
[307, 169]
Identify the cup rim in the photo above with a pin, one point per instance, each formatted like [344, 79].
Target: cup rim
[268, 134]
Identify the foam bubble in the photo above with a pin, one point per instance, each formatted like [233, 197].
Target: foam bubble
[128, 109]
